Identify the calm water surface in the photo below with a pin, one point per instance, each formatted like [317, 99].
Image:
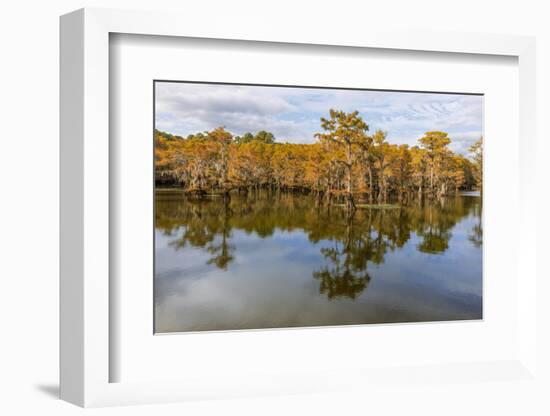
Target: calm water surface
[269, 260]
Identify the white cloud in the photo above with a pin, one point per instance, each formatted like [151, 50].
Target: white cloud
[292, 114]
[184, 98]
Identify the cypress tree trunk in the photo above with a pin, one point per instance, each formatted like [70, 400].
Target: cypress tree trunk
[226, 197]
[371, 189]
[350, 205]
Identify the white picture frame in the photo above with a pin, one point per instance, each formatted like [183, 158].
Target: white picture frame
[85, 219]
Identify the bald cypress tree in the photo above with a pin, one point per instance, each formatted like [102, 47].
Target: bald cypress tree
[436, 145]
[223, 138]
[346, 131]
[477, 154]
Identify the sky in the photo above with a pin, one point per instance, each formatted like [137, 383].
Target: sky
[293, 114]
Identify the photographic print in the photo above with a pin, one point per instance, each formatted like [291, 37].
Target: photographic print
[287, 206]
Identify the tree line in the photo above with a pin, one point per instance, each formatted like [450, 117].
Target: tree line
[345, 162]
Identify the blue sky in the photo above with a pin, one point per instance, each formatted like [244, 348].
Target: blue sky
[292, 114]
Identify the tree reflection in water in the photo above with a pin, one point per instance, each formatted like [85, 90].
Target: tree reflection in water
[347, 274]
[476, 234]
[347, 243]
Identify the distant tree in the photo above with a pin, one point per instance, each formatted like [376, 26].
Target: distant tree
[223, 138]
[316, 168]
[419, 162]
[402, 171]
[435, 143]
[476, 151]
[245, 138]
[261, 136]
[197, 136]
[382, 152]
[265, 137]
[367, 161]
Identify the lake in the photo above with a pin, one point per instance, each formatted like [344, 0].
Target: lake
[276, 260]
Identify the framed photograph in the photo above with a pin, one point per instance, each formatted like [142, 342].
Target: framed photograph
[288, 206]
[236, 209]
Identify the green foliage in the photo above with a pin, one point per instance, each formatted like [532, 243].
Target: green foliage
[265, 137]
[262, 136]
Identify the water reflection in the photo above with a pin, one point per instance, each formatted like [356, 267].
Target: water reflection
[346, 274]
[254, 262]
